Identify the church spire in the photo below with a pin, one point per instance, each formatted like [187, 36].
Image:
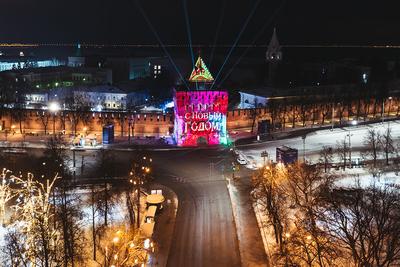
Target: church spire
[274, 52]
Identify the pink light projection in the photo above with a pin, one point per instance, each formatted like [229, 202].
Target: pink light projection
[200, 117]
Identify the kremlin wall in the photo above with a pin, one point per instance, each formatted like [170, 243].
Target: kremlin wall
[158, 125]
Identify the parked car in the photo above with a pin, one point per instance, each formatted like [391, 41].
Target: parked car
[241, 160]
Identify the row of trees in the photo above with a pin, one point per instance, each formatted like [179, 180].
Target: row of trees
[49, 214]
[378, 152]
[76, 113]
[315, 224]
[305, 110]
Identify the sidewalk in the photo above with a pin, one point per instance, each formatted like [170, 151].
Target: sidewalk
[251, 246]
[164, 227]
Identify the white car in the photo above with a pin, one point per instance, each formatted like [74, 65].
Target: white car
[241, 160]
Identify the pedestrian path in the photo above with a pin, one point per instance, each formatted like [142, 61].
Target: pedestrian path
[251, 246]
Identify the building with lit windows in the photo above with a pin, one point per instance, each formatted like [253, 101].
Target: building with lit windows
[36, 100]
[100, 98]
[50, 77]
[12, 63]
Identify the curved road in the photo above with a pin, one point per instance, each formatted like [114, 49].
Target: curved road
[205, 233]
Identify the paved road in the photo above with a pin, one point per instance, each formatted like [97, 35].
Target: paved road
[205, 233]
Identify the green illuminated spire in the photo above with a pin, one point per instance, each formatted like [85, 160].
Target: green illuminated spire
[200, 72]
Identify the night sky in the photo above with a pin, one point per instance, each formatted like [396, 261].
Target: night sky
[120, 21]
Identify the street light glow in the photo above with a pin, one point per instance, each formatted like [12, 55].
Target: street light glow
[146, 243]
[54, 107]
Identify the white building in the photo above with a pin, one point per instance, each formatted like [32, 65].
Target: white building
[101, 97]
[36, 100]
[21, 63]
[249, 100]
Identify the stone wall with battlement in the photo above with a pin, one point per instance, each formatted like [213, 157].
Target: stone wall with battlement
[280, 115]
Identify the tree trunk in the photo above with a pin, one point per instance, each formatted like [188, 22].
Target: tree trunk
[105, 203]
[93, 224]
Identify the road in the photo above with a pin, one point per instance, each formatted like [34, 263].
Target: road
[205, 233]
[315, 140]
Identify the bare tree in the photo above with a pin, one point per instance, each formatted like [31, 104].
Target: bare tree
[326, 156]
[371, 142]
[365, 223]
[306, 186]
[268, 193]
[79, 111]
[55, 157]
[70, 218]
[342, 150]
[19, 115]
[386, 143]
[44, 118]
[106, 169]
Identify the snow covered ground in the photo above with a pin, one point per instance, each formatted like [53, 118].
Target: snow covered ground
[360, 176]
[314, 142]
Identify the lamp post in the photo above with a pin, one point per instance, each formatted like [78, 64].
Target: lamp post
[333, 115]
[54, 107]
[128, 248]
[350, 135]
[264, 155]
[304, 147]
[140, 170]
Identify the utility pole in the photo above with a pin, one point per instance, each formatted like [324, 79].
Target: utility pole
[349, 135]
[233, 171]
[129, 130]
[264, 155]
[74, 163]
[82, 164]
[138, 174]
[138, 201]
[333, 115]
[54, 124]
[304, 147]
[211, 168]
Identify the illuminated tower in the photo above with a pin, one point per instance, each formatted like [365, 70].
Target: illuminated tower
[273, 57]
[200, 115]
[200, 75]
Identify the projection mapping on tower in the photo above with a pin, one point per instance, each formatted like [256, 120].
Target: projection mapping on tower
[200, 115]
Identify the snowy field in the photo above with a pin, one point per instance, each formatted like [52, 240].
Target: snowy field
[314, 142]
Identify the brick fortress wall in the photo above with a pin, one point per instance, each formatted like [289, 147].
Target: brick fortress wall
[148, 124]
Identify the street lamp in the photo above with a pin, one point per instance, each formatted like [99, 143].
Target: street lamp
[128, 248]
[264, 155]
[54, 107]
[140, 169]
[304, 147]
[349, 135]
[333, 115]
